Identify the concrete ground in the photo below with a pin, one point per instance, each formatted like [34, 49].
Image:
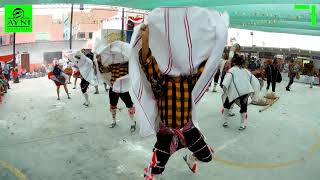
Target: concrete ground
[45, 139]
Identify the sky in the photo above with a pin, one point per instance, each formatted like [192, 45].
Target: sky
[281, 40]
[243, 37]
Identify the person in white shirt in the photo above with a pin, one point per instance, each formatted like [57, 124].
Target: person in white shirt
[238, 85]
[219, 71]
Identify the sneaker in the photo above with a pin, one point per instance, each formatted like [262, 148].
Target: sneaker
[133, 127]
[288, 89]
[58, 99]
[231, 114]
[149, 176]
[242, 128]
[74, 88]
[96, 92]
[69, 97]
[191, 162]
[112, 125]
[225, 124]
[86, 104]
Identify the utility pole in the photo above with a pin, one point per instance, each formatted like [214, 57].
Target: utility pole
[251, 33]
[14, 50]
[71, 20]
[122, 25]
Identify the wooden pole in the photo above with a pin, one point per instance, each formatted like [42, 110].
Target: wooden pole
[71, 20]
[14, 50]
[122, 25]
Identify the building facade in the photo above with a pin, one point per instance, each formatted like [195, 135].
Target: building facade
[48, 28]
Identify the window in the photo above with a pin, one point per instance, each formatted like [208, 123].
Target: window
[11, 39]
[81, 35]
[48, 57]
[90, 35]
[3, 40]
[42, 36]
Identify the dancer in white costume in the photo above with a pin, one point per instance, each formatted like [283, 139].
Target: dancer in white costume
[112, 61]
[173, 61]
[219, 72]
[59, 78]
[87, 73]
[227, 64]
[238, 85]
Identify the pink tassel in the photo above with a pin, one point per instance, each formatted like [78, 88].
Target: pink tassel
[132, 111]
[154, 159]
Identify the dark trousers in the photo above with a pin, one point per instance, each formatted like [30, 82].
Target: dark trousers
[273, 85]
[125, 97]
[291, 81]
[243, 100]
[84, 85]
[7, 76]
[194, 142]
[216, 76]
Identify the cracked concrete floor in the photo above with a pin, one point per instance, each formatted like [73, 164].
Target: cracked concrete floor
[45, 139]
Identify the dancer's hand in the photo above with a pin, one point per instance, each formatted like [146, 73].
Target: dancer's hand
[145, 33]
[98, 56]
[145, 41]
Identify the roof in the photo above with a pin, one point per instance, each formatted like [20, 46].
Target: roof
[286, 51]
[263, 15]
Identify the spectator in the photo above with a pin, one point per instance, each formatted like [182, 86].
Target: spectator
[273, 75]
[292, 73]
[7, 72]
[3, 83]
[15, 75]
[310, 72]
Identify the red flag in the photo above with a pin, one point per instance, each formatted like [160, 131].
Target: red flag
[6, 58]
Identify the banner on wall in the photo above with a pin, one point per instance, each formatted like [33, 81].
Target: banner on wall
[131, 23]
[6, 58]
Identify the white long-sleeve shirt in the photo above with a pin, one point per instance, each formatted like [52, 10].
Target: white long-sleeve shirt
[238, 82]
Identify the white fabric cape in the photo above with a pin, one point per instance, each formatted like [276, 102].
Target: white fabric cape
[180, 39]
[116, 52]
[85, 66]
[238, 82]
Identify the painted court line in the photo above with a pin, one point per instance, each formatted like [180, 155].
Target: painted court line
[14, 171]
[311, 152]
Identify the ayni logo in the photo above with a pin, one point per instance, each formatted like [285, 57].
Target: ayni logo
[18, 18]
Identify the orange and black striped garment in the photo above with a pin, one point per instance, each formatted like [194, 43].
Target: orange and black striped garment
[117, 70]
[173, 94]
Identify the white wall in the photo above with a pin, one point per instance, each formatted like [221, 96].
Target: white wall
[37, 49]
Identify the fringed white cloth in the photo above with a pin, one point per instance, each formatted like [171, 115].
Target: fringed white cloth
[180, 40]
[86, 67]
[238, 82]
[114, 53]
